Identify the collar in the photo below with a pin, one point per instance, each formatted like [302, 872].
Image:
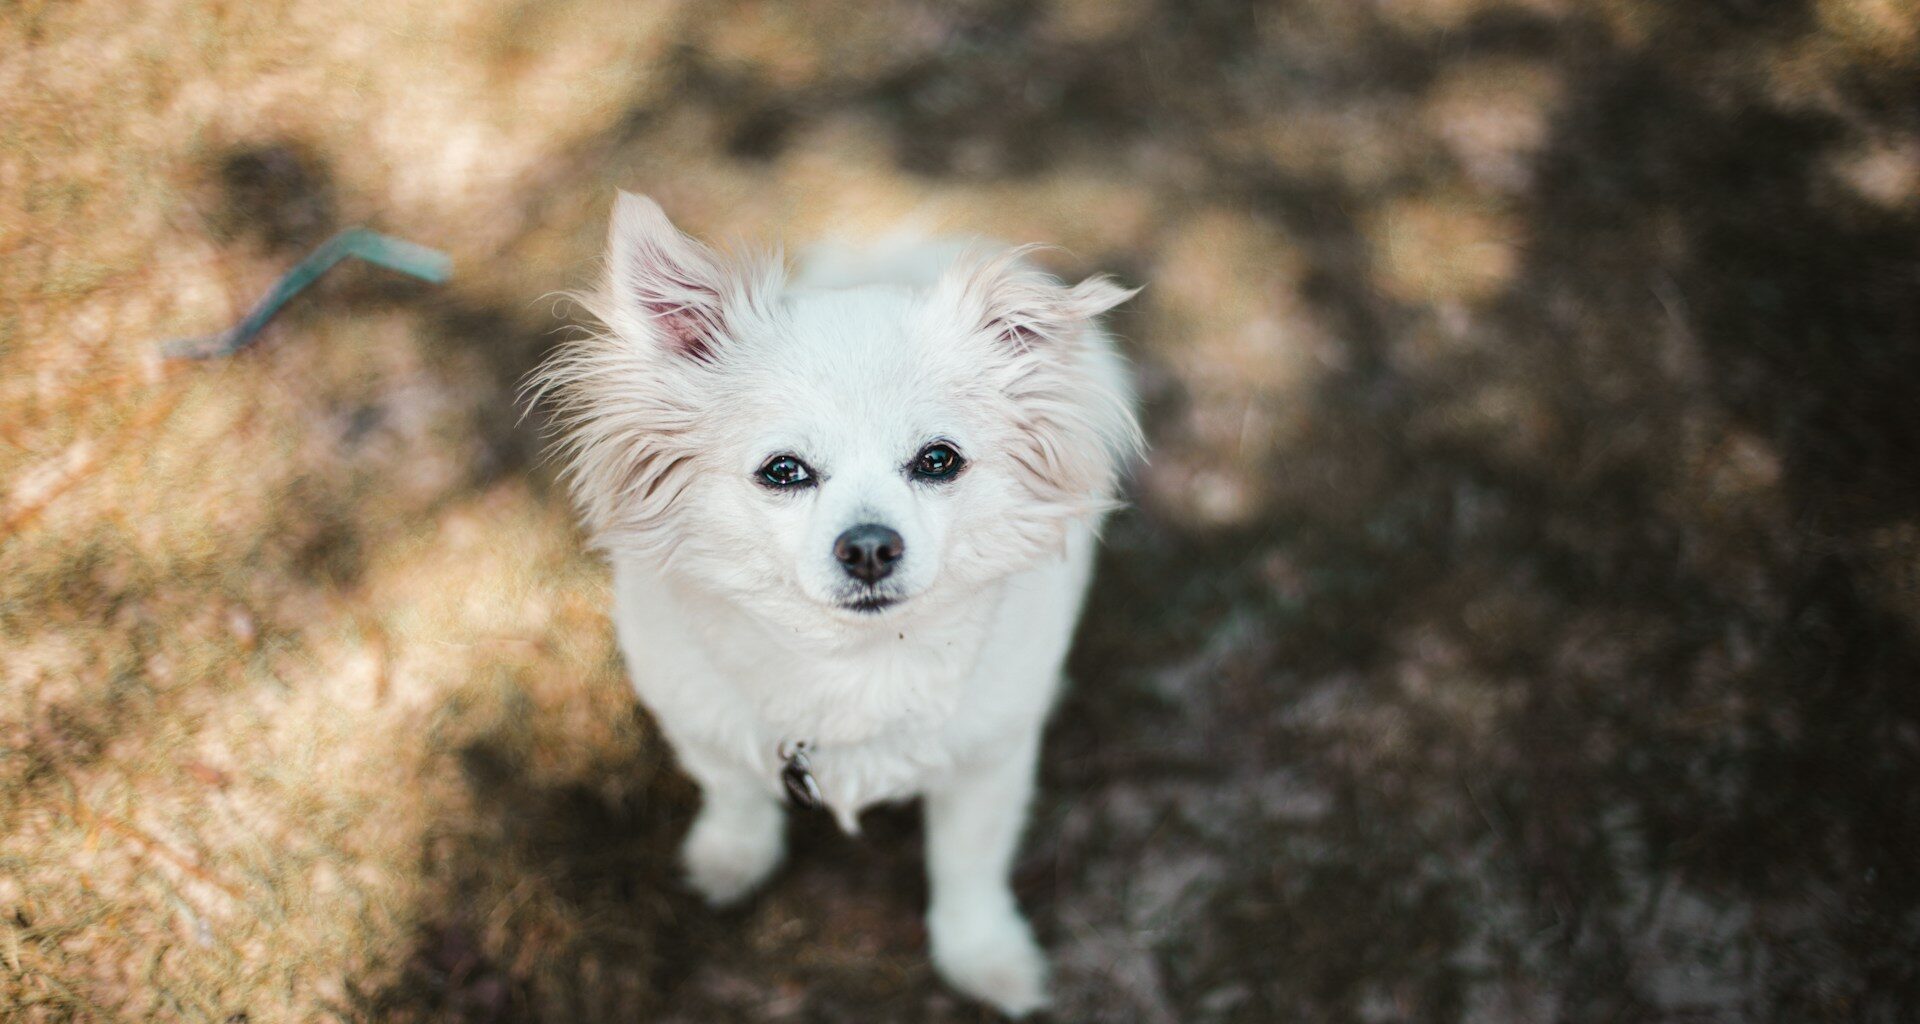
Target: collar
[796, 775]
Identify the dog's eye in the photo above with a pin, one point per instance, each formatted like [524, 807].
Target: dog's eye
[937, 461]
[785, 471]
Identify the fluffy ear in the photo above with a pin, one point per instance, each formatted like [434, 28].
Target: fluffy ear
[629, 397]
[1095, 296]
[662, 284]
[1026, 307]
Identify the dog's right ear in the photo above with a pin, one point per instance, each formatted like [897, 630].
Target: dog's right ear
[1023, 307]
[663, 286]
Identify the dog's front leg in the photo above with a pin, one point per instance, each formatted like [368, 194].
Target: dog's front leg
[981, 943]
[739, 836]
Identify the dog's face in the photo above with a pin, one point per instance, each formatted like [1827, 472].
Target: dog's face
[859, 463]
[840, 454]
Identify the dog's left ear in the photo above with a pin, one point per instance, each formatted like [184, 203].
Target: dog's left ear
[663, 286]
[1028, 308]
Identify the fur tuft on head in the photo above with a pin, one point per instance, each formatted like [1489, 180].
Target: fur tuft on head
[1024, 305]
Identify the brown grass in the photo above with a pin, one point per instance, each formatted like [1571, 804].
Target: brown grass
[252, 610]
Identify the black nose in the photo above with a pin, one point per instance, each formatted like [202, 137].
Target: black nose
[868, 551]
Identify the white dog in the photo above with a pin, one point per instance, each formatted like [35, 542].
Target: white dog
[851, 518]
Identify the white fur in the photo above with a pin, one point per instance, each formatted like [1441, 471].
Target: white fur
[729, 604]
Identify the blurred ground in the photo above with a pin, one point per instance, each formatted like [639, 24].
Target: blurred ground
[1518, 622]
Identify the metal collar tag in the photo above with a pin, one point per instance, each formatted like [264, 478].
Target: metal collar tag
[803, 790]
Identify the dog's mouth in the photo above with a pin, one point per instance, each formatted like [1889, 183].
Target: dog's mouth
[870, 604]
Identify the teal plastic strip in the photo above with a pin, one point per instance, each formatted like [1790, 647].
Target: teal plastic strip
[385, 250]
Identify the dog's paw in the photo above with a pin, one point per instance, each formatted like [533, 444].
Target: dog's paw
[727, 858]
[991, 957]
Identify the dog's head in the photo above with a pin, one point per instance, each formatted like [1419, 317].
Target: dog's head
[836, 453]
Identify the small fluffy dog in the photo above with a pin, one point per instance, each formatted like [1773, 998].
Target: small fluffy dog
[851, 517]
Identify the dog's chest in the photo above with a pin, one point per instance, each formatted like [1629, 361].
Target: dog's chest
[859, 697]
[851, 777]
[874, 718]
[905, 682]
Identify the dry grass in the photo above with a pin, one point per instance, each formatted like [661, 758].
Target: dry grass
[252, 611]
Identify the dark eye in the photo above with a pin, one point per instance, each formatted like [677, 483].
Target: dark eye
[937, 462]
[785, 471]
